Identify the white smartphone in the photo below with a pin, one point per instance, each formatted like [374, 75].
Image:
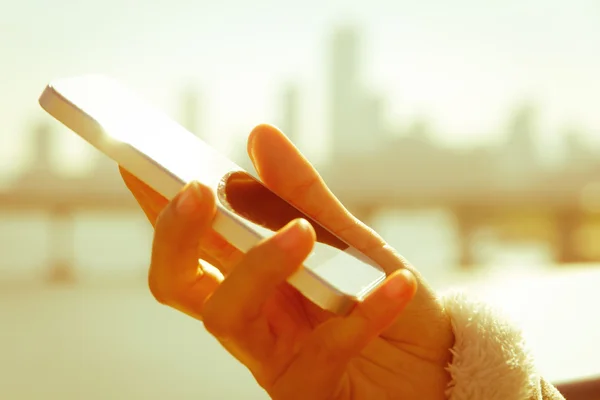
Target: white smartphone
[165, 156]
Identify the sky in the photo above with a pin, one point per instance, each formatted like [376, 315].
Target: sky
[463, 64]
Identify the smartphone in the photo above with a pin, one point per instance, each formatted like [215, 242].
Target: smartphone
[164, 155]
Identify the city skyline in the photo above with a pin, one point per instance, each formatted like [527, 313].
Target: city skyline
[360, 131]
[363, 123]
[358, 123]
[463, 65]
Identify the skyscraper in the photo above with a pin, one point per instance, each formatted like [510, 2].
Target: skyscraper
[43, 143]
[518, 162]
[521, 137]
[290, 112]
[344, 89]
[579, 154]
[352, 109]
[190, 111]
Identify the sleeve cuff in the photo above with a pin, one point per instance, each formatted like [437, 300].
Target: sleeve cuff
[490, 359]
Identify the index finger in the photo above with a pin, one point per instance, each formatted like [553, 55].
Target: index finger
[285, 171]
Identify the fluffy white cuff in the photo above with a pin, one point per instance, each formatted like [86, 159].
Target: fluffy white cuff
[490, 358]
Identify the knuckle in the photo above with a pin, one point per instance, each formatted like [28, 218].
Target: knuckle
[161, 219]
[221, 324]
[214, 322]
[158, 291]
[269, 264]
[298, 194]
[326, 353]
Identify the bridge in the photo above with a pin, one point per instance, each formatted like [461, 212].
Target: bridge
[475, 199]
[62, 198]
[552, 206]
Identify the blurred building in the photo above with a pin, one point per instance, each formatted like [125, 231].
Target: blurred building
[518, 161]
[290, 112]
[579, 156]
[356, 115]
[191, 111]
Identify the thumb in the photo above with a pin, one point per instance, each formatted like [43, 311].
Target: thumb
[325, 354]
[175, 278]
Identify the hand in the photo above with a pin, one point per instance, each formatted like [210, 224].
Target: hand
[395, 344]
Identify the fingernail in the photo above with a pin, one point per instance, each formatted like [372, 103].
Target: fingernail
[396, 286]
[189, 200]
[288, 239]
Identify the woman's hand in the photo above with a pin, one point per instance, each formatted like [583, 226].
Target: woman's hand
[394, 345]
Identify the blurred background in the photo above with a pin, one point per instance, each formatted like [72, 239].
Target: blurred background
[466, 133]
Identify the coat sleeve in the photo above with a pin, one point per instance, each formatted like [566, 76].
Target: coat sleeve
[545, 391]
[490, 359]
